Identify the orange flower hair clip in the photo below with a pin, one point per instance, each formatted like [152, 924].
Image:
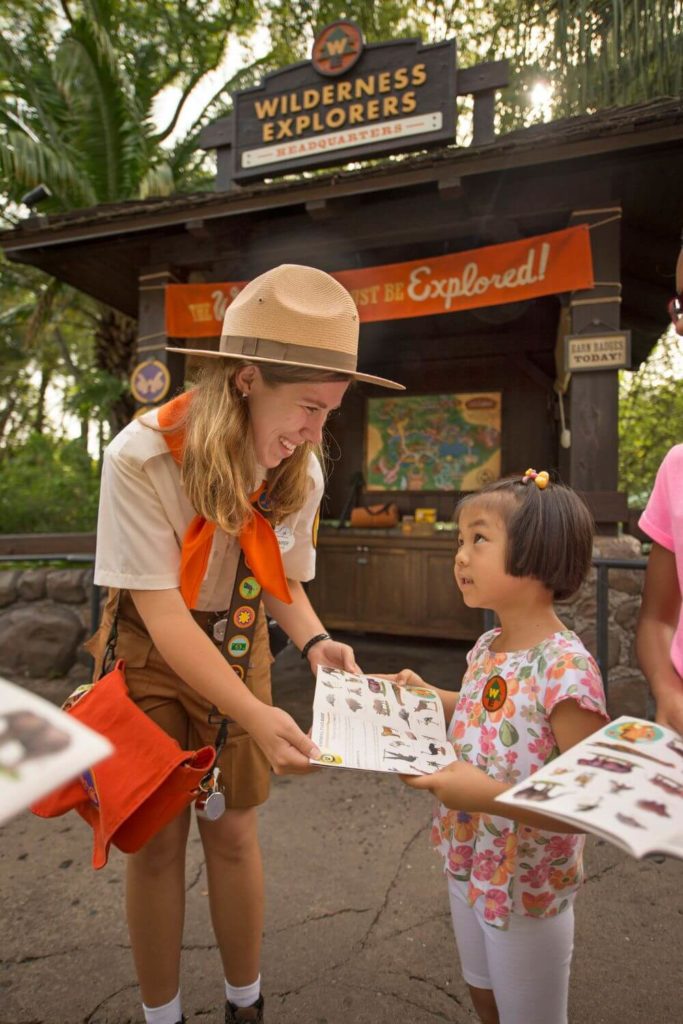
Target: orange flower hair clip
[541, 479]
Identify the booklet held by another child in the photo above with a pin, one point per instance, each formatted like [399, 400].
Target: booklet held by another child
[371, 723]
[624, 783]
[41, 748]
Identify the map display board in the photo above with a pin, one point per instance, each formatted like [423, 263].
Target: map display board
[433, 442]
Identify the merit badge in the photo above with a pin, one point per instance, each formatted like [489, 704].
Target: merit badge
[244, 617]
[249, 588]
[238, 646]
[285, 537]
[495, 693]
[150, 381]
[238, 670]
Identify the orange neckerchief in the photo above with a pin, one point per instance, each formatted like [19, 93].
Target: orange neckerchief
[257, 537]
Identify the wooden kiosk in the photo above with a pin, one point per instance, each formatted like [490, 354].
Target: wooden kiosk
[572, 227]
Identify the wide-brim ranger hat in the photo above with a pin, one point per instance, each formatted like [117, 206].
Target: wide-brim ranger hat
[294, 316]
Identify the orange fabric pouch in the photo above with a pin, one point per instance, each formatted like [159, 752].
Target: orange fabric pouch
[384, 516]
[141, 787]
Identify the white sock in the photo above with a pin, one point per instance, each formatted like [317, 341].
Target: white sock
[244, 996]
[169, 1013]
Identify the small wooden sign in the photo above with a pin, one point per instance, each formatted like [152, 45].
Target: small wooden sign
[609, 351]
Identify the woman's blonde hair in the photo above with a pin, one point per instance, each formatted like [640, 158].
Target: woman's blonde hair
[219, 463]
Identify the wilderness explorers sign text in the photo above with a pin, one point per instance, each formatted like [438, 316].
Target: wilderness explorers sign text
[350, 100]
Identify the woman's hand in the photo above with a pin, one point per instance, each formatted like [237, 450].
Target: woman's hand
[334, 654]
[287, 748]
[461, 787]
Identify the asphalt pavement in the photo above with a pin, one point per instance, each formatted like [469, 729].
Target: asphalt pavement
[357, 924]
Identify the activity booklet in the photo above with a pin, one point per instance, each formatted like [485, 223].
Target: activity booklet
[370, 723]
[41, 748]
[624, 783]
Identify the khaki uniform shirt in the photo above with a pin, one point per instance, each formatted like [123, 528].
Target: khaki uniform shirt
[144, 514]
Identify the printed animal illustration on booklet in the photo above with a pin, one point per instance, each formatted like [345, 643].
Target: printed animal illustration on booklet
[625, 783]
[371, 723]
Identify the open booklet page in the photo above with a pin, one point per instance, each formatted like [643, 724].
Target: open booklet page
[625, 783]
[41, 748]
[370, 723]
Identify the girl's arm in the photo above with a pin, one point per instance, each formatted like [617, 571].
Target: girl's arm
[301, 624]
[659, 612]
[464, 787]
[192, 655]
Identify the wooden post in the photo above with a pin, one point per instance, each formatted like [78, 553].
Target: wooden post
[158, 374]
[591, 464]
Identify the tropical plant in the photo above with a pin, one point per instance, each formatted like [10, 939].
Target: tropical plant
[78, 85]
[650, 416]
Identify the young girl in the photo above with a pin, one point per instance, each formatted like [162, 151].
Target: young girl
[175, 513]
[531, 690]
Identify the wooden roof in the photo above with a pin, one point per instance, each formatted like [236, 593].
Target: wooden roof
[525, 182]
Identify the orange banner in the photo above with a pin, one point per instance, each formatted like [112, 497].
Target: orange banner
[542, 265]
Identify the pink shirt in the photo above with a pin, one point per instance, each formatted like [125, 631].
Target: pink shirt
[663, 521]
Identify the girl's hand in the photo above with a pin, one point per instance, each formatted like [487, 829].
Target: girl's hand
[282, 741]
[406, 677]
[336, 655]
[460, 786]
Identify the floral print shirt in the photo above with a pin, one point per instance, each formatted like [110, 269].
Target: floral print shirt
[501, 723]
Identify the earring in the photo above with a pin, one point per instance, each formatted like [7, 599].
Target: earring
[245, 394]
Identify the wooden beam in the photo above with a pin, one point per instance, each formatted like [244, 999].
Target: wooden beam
[493, 74]
[47, 544]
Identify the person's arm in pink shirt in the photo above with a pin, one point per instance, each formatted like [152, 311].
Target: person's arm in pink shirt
[659, 613]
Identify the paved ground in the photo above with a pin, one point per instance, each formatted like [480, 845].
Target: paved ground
[357, 927]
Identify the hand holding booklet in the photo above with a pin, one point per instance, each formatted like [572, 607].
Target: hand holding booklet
[624, 783]
[371, 723]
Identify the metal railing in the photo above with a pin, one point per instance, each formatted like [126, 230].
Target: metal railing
[603, 566]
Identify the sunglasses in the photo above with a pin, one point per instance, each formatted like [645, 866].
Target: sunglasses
[675, 307]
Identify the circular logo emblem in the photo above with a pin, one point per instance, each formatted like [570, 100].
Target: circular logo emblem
[285, 537]
[264, 502]
[244, 617]
[635, 732]
[238, 670]
[337, 48]
[249, 588]
[150, 381]
[330, 759]
[495, 693]
[238, 646]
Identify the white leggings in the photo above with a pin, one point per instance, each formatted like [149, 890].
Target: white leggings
[527, 965]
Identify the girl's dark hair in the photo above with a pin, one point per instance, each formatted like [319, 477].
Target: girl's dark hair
[550, 532]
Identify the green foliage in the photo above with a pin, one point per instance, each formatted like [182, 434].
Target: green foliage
[650, 417]
[47, 486]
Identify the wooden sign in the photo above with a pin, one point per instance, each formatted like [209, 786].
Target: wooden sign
[609, 351]
[350, 101]
[560, 261]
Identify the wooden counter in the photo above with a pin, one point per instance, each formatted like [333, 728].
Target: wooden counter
[385, 581]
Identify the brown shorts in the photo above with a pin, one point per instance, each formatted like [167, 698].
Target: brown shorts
[180, 710]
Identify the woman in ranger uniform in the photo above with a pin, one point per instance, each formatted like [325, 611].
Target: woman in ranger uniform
[207, 505]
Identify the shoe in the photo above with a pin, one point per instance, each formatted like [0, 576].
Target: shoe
[253, 1013]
